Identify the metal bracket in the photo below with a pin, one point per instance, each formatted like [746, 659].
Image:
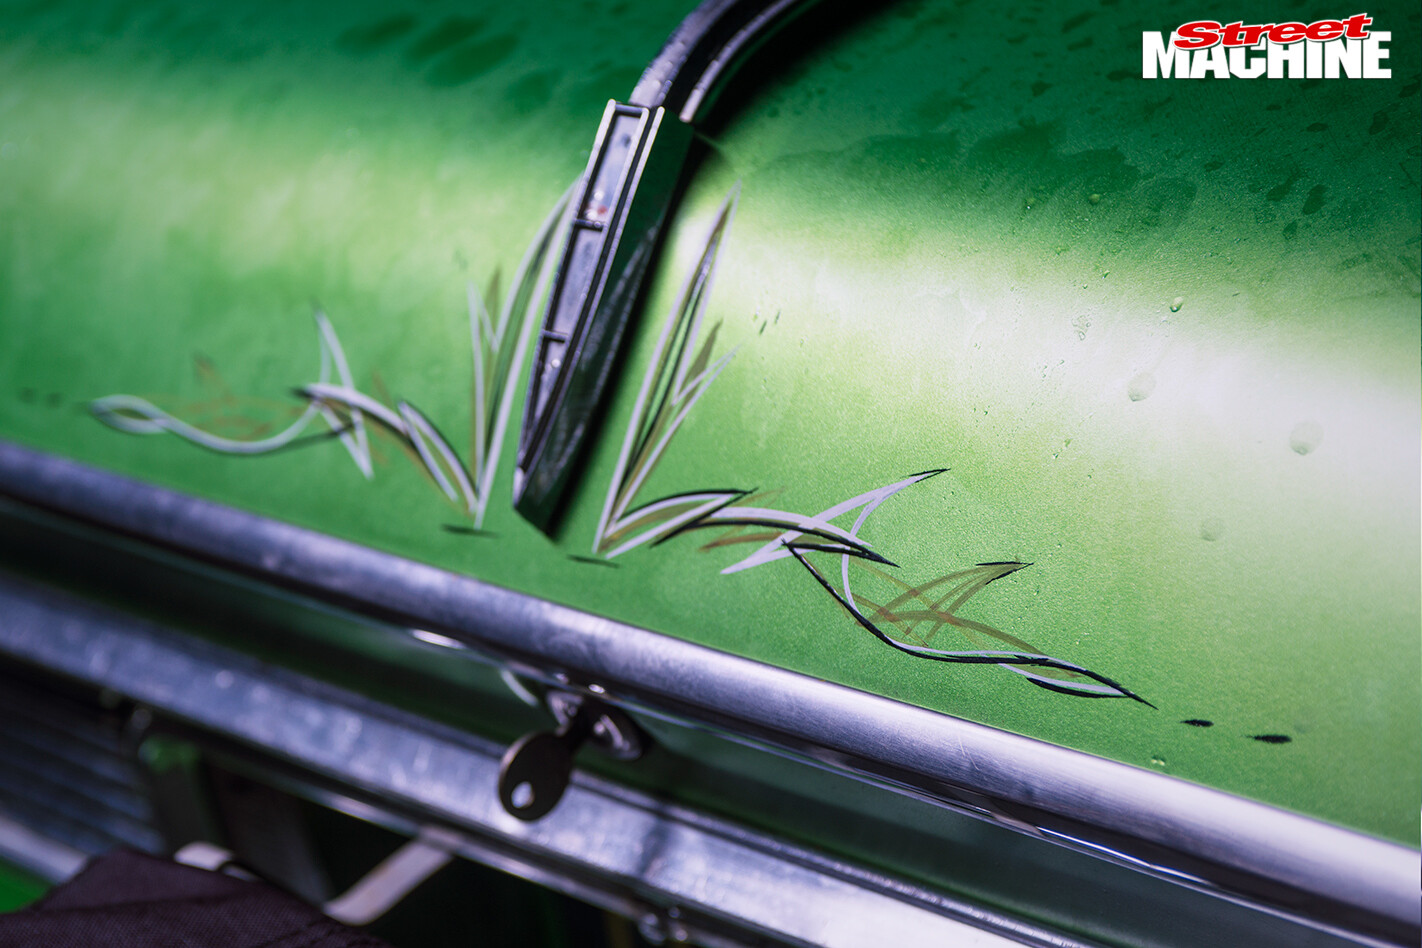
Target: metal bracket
[395, 877]
[376, 893]
[536, 768]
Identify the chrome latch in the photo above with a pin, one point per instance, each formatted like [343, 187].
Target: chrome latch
[536, 768]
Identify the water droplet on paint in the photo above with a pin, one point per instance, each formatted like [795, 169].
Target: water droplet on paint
[1176, 303]
[1094, 198]
[1306, 437]
[1140, 387]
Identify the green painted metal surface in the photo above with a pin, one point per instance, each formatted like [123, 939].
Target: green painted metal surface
[18, 888]
[1161, 337]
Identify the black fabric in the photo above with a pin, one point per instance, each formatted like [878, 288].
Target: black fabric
[131, 900]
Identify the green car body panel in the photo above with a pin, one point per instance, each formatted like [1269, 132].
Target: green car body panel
[1159, 339]
[18, 888]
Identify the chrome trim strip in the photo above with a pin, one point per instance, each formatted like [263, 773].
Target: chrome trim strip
[48, 859]
[1264, 857]
[671, 856]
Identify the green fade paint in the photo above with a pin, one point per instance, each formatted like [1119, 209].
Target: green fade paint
[1164, 337]
[18, 888]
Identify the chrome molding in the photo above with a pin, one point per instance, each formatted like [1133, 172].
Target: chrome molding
[45, 858]
[670, 857]
[1325, 876]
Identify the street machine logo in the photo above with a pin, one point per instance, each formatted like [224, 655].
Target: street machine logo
[1325, 49]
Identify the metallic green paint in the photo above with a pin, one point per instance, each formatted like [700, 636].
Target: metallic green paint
[1163, 335]
[18, 888]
